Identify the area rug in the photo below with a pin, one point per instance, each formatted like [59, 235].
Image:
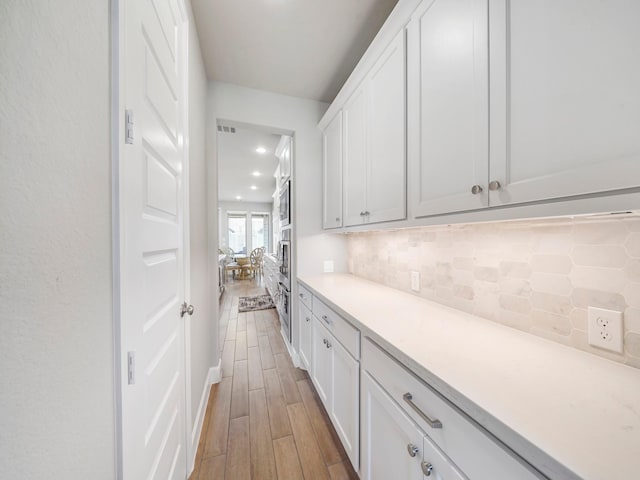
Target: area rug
[259, 302]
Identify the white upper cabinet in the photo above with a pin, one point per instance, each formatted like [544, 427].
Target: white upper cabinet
[284, 153]
[449, 106]
[374, 142]
[565, 98]
[332, 173]
[355, 157]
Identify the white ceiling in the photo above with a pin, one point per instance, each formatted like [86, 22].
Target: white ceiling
[302, 48]
[238, 159]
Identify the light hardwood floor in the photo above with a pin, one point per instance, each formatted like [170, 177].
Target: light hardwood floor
[264, 420]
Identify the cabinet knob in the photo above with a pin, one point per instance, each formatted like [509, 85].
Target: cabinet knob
[494, 185]
[367, 213]
[301, 295]
[412, 450]
[476, 189]
[362, 214]
[337, 219]
[308, 319]
[427, 468]
[324, 340]
[328, 344]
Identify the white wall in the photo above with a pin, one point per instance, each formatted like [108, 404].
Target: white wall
[301, 116]
[202, 335]
[56, 347]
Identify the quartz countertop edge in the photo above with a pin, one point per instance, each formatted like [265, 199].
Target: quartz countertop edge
[539, 397]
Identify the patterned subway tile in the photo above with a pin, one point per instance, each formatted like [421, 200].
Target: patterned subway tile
[538, 276]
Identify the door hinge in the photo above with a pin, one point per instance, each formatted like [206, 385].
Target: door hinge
[131, 367]
[128, 126]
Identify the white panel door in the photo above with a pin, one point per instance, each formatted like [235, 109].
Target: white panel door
[449, 106]
[387, 437]
[355, 116]
[565, 102]
[332, 173]
[386, 165]
[345, 401]
[152, 262]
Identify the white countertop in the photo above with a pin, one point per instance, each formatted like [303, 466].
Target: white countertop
[569, 413]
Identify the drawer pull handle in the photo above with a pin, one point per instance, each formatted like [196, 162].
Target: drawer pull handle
[412, 449]
[326, 319]
[328, 344]
[433, 423]
[308, 319]
[324, 340]
[427, 468]
[301, 295]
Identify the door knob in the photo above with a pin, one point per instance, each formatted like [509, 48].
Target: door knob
[184, 308]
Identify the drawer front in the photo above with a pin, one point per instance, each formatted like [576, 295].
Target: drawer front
[477, 455]
[305, 296]
[346, 334]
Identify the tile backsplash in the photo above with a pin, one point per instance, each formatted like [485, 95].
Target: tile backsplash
[538, 276]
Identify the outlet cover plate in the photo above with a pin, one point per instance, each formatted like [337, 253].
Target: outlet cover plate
[415, 281]
[605, 329]
[327, 266]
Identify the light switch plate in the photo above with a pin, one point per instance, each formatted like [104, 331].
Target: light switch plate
[605, 329]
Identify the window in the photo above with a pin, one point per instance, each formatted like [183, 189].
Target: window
[237, 232]
[259, 230]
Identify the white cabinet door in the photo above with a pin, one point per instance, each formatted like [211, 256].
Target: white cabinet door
[439, 467]
[305, 335]
[332, 174]
[449, 106]
[386, 165]
[355, 157]
[387, 437]
[321, 368]
[345, 399]
[565, 102]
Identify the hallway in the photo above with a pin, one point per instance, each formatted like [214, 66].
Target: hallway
[264, 419]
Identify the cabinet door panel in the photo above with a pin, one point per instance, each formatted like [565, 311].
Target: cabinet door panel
[321, 362]
[565, 99]
[345, 400]
[450, 113]
[355, 157]
[386, 433]
[305, 335]
[386, 168]
[332, 174]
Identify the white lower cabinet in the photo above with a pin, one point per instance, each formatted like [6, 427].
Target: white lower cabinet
[335, 374]
[304, 320]
[392, 445]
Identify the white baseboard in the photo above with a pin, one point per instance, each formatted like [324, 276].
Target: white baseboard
[295, 358]
[214, 376]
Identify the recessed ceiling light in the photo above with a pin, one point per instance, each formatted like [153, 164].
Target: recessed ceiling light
[261, 150]
[238, 197]
[253, 187]
[256, 173]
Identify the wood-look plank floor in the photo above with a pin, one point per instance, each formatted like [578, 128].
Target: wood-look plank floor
[264, 420]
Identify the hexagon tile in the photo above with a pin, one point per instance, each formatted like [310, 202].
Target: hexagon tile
[538, 276]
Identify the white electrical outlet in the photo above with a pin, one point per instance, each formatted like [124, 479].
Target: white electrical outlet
[415, 281]
[328, 266]
[605, 329]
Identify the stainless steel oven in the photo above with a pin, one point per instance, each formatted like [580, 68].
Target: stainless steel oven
[285, 204]
[284, 283]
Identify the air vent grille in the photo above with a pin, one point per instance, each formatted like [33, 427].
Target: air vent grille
[226, 129]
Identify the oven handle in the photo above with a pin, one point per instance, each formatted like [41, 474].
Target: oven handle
[284, 286]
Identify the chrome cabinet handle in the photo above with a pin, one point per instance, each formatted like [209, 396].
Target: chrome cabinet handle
[427, 468]
[494, 185]
[367, 213]
[433, 423]
[412, 450]
[326, 319]
[476, 189]
[362, 214]
[324, 340]
[307, 319]
[301, 295]
[337, 219]
[328, 344]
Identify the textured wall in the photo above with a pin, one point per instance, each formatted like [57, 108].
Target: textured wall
[203, 337]
[536, 276]
[56, 360]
